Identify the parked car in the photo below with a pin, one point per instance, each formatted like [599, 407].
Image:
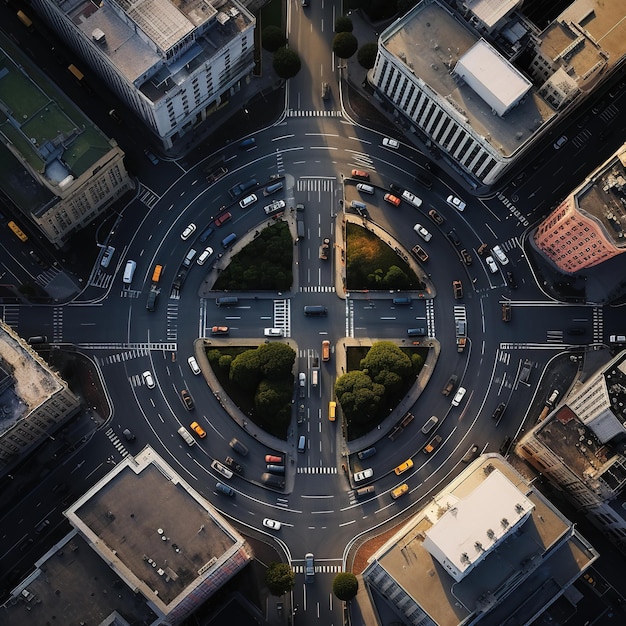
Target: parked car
[193, 364]
[220, 219]
[491, 264]
[456, 203]
[497, 250]
[148, 380]
[389, 197]
[190, 230]
[204, 257]
[363, 475]
[391, 143]
[272, 458]
[360, 174]
[466, 256]
[422, 232]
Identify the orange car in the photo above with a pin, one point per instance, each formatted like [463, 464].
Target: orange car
[392, 199]
[360, 174]
[198, 430]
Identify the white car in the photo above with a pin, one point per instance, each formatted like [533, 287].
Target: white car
[190, 230]
[224, 471]
[457, 203]
[302, 379]
[273, 332]
[202, 259]
[363, 475]
[391, 143]
[147, 378]
[271, 523]
[458, 396]
[411, 198]
[193, 364]
[491, 264]
[247, 201]
[422, 232]
[497, 250]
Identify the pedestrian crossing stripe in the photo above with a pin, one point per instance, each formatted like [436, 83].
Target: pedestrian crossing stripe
[317, 470]
[319, 569]
[313, 113]
[117, 442]
[167, 347]
[318, 289]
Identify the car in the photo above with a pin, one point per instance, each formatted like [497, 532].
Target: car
[222, 469]
[272, 458]
[198, 429]
[302, 379]
[273, 332]
[497, 250]
[220, 330]
[432, 444]
[504, 447]
[454, 238]
[272, 523]
[106, 257]
[220, 219]
[436, 217]
[506, 311]
[389, 197]
[151, 157]
[422, 232]
[368, 452]
[424, 180]
[399, 491]
[510, 279]
[325, 91]
[560, 142]
[225, 489]
[617, 338]
[466, 257]
[190, 230]
[419, 253]
[309, 567]
[361, 210]
[204, 257]
[482, 248]
[206, 234]
[187, 400]
[230, 462]
[497, 414]
[248, 200]
[456, 203]
[457, 288]
[411, 198]
[396, 189]
[193, 364]
[458, 396]
[274, 206]
[403, 467]
[237, 446]
[391, 143]
[299, 207]
[360, 174]
[147, 378]
[363, 475]
[128, 435]
[471, 454]
[491, 264]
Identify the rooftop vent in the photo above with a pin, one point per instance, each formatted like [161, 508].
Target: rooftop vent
[98, 35]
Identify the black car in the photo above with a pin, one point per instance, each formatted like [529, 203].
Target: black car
[436, 217]
[497, 414]
[510, 279]
[236, 467]
[423, 180]
[396, 189]
[454, 238]
[206, 234]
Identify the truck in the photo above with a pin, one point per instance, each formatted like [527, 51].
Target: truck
[419, 253]
[449, 386]
[216, 174]
[324, 249]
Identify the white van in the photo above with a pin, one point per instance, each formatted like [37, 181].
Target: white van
[186, 435]
[364, 188]
[129, 271]
[429, 425]
[314, 377]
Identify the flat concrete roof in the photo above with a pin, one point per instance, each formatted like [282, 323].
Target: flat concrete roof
[491, 11]
[432, 41]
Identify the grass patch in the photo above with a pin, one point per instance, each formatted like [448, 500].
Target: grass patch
[264, 264]
[372, 264]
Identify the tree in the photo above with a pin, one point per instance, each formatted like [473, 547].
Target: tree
[386, 356]
[273, 38]
[343, 24]
[245, 370]
[345, 586]
[280, 578]
[359, 396]
[276, 360]
[345, 45]
[367, 55]
[286, 63]
[395, 278]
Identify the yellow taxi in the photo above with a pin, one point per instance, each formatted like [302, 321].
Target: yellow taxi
[198, 430]
[399, 491]
[403, 467]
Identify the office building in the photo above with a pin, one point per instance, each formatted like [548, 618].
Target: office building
[171, 63]
[58, 169]
[145, 548]
[487, 549]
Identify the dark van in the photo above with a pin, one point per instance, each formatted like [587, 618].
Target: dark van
[273, 188]
[227, 241]
[276, 469]
[247, 143]
[317, 310]
[402, 300]
[416, 332]
[365, 454]
[227, 301]
[39, 339]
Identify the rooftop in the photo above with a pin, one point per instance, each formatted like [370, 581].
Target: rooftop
[489, 12]
[507, 584]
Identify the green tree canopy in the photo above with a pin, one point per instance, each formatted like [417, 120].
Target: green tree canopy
[268, 400]
[345, 45]
[383, 357]
[343, 24]
[275, 360]
[273, 38]
[345, 586]
[286, 63]
[366, 55]
[280, 578]
[358, 395]
[245, 370]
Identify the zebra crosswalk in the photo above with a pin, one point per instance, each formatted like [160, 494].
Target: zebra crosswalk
[581, 138]
[609, 113]
[10, 315]
[430, 317]
[316, 185]
[47, 276]
[318, 289]
[148, 197]
[316, 470]
[117, 442]
[282, 316]
[121, 357]
[319, 569]
[313, 113]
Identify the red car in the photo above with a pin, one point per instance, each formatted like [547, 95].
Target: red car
[360, 174]
[270, 458]
[221, 219]
[392, 199]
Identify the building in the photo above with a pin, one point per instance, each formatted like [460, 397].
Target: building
[34, 400]
[58, 169]
[589, 226]
[482, 84]
[145, 549]
[580, 448]
[172, 63]
[488, 549]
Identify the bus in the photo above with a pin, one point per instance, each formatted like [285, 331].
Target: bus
[19, 233]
